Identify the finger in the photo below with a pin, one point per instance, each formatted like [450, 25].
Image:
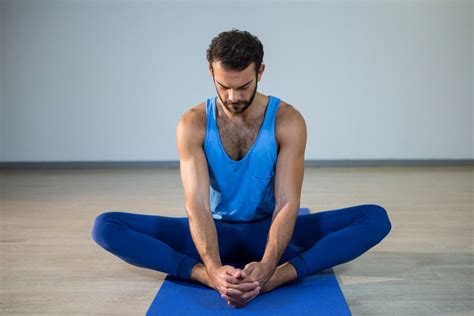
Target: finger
[249, 299]
[231, 300]
[244, 300]
[234, 305]
[237, 287]
[247, 287]
[235, 280]
[250, 295]
[234, 293]
[226, 297]
[233, 272]
[232, 280]
[222, 290]
[238, 297]
[239, 304]
[247, 270]
[243, 287]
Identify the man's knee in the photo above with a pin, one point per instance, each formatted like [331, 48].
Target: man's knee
[379, 216]
[103, 229]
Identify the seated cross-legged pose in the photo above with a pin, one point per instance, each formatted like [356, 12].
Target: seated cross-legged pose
[242, 166]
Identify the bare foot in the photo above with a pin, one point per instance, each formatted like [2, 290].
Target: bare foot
[199, 273]
[284, 273]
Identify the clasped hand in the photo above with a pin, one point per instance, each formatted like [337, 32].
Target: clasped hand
[238, 287]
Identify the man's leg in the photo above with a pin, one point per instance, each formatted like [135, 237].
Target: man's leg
[158, 242]
[326, 239]
[148, 241]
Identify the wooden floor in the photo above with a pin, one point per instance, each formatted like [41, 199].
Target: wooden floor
[50, 265]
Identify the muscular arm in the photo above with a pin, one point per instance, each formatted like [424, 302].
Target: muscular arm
[288, 183]
[195, 179]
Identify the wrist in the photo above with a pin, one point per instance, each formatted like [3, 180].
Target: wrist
[270, 265]
[212, 267]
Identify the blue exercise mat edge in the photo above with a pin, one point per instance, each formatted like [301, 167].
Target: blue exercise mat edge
[266, 304]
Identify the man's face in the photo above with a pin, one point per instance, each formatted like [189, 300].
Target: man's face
[236, 89]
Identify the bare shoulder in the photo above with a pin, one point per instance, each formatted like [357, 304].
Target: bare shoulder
[287, 112]
[194, 119]
[288, 117]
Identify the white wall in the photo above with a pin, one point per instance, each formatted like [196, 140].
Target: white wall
[2, 105]
[108, 80]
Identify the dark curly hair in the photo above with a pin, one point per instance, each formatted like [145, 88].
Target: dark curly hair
[235, 50]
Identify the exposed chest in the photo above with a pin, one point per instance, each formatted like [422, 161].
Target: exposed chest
[238, 139]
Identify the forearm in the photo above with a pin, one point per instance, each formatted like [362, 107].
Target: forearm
[280, 233]
[204, 234]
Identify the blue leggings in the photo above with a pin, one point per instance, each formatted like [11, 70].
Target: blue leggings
[320, 240]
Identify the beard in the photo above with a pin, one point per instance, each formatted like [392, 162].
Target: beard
[240, 107]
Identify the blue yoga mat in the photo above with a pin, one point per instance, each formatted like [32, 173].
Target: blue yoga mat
[317, 294]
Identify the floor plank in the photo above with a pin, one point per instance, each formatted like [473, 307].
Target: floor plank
[50, 265]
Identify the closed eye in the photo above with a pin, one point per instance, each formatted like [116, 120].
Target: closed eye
[245, 86]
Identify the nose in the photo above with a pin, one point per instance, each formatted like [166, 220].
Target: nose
[233, 96]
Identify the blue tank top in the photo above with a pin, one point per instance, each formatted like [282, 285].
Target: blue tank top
[242, 190]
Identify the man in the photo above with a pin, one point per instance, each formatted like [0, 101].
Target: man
[241, 165]
[240, 113]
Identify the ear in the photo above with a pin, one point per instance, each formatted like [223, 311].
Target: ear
[260, 72]
[210, 70]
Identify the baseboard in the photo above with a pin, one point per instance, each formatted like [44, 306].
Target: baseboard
[173, 164]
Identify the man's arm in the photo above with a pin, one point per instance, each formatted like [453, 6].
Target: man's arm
[288, 183]
[195, 177]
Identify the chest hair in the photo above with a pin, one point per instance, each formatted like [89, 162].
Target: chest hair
[237, 139]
